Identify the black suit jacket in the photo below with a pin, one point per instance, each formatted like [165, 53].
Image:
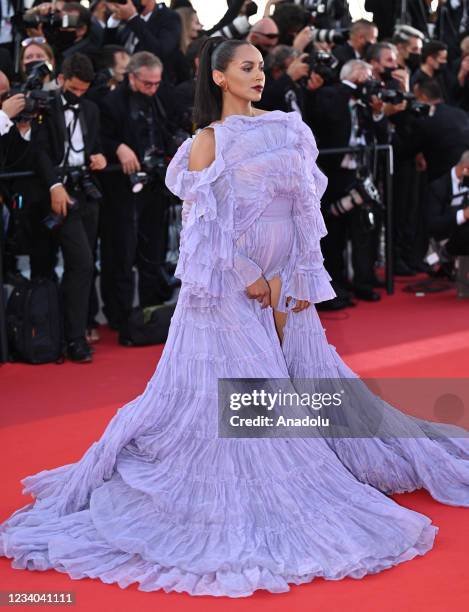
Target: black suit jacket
[331, 122]
[159, 35]
[442, 138]
[49, 138]
[440, 214]
[119, 127]
[344, 53]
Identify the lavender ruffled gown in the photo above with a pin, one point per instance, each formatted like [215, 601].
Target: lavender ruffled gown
[162, 501]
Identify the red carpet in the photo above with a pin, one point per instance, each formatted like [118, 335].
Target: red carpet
[52, 413]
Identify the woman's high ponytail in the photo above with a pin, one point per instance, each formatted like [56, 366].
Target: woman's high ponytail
[216, 53]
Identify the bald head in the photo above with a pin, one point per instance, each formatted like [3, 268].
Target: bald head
[264, 33]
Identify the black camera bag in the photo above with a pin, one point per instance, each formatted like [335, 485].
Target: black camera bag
[34, 322]
[147, 326]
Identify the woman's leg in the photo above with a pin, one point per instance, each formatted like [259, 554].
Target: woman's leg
[280, 318]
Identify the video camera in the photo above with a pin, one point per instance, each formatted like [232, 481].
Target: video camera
[37, 100]
[365, 91]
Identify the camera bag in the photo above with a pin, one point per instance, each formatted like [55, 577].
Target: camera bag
[148, 325]
[34, 322]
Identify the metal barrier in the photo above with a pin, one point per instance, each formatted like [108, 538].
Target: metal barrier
[389, 171]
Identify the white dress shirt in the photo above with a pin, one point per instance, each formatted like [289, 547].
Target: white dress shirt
[77, 157]
[5, 123]
[458, 189]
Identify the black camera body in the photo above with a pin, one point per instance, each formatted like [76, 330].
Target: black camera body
[323, 63]
[372, 87]
[153, 169]
[37, 100]
[80, 179]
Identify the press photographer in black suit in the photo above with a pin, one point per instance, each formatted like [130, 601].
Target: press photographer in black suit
[447, 210]
[340, 119]
[69, 137]
[150, 27]
[135, 134]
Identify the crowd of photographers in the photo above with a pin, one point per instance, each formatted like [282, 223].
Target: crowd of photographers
[96, 100]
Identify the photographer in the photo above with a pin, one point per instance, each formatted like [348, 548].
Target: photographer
[69, 138]
[363, 33]
[111, 66]
[447, 210]
[408, 42]
[435, 66]
[68, 30]
[342, 118]
[442, 136]
[152, 27]
[136, 136]
[10, 106]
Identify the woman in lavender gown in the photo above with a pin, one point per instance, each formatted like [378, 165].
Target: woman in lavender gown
[160, 499]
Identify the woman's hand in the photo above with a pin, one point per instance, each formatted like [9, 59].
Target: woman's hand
[260, 291]
[300, 305]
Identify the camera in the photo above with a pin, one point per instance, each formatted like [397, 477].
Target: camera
[240, 26]
[80, 179]
[329, 36]
[370, 88]
[364, 194]
[153, 169]
[37, 100]
[323, 63]
[55, 220]
[54, 20]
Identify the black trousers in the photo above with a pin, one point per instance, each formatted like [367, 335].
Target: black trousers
[350, 225]
[77, 238]
[458, 244]
[134, 233]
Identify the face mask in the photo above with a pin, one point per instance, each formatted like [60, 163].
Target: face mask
[29, 67]
[70, 97]
[414, 61]
[441, 68]
[64, 39]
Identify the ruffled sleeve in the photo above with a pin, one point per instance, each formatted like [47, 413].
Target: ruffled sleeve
[209, 264]
[309, 279]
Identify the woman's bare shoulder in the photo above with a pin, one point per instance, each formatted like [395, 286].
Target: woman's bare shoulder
[202, 152]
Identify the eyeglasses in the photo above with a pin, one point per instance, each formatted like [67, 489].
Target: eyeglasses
[147, 84]
[38, 40]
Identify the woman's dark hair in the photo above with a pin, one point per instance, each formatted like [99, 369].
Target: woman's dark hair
[216, 53]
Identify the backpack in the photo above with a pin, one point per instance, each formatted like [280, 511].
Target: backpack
[34, 322]
[148, 325]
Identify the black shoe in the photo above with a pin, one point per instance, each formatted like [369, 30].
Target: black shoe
[79, 351]
[367, 294]
[336, 303]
